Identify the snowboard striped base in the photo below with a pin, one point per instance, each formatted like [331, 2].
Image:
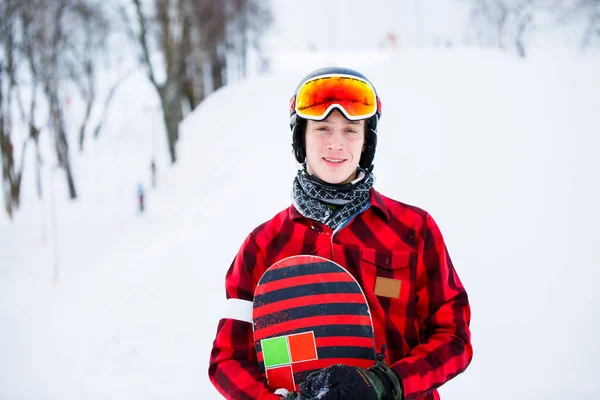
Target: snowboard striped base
[309, 313]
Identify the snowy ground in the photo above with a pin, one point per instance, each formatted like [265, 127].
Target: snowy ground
[499, 150]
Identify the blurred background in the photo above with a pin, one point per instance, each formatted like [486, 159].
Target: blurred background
[142, 140]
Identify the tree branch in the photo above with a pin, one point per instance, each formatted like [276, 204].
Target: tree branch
[142, 37]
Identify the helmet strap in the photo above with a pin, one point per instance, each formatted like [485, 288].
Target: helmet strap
[298, 140]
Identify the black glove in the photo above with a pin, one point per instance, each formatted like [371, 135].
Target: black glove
[352, 383]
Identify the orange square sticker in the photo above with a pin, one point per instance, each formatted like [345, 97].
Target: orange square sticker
[302, 346]
[386, 287]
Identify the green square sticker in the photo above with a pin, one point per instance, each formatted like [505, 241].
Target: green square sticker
[275, 351]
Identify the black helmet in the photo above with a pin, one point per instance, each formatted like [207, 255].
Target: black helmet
[298, 124]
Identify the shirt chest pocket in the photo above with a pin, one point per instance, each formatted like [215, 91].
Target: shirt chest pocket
[389, 275]
[388, 279]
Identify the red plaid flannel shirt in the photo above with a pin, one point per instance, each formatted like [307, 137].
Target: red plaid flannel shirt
[426, 329]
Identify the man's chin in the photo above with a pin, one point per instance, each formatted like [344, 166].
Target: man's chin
[338, 179]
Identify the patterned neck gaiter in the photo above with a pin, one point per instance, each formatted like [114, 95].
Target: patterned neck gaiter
[331, 204]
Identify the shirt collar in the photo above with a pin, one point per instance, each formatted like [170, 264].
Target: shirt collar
[378, 202]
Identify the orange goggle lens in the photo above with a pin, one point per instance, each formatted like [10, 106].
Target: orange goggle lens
[354, 97]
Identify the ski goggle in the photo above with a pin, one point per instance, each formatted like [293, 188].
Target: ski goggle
[353, 96]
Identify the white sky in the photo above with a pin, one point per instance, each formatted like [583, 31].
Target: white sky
[360, 24]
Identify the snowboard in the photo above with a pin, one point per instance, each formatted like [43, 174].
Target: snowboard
[309, 313]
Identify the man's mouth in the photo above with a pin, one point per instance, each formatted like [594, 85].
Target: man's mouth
[334, 160]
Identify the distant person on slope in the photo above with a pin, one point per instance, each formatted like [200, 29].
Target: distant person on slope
[421, 318]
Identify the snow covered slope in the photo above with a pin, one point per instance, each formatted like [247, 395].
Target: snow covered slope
[499, 150]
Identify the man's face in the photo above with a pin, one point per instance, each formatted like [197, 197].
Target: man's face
[334, 147]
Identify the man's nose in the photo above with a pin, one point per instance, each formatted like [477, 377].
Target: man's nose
[336, 141]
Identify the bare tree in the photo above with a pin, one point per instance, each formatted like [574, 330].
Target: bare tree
[45, 45]
[194, 39]
[9, 179]
[29, 50]
[171, 28]
[11, 174]
[194, 57]
[247, 21]
[107, 102]
[51, 34]
[591, 37]
[211, 17]
[586, 11]
[93, 28]
[487, 22]
[508, 23]
[502, 23]
[69, 35]
[231, 27]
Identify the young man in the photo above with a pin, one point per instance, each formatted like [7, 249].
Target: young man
[422, 323]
